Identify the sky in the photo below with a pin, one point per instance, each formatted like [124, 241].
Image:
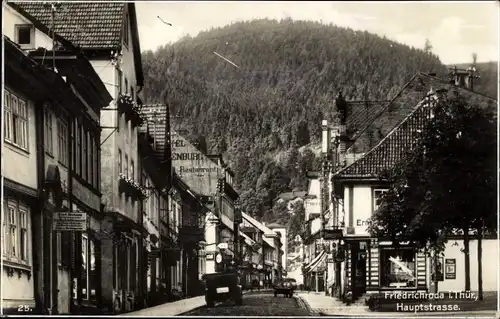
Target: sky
[455, 29]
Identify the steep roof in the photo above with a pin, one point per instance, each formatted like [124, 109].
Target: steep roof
[88, 25]
[155, 114]
[394, 112]
[261, 227]
[393, 146]
[360, 114]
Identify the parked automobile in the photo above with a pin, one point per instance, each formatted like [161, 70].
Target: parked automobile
[292, 282]
[283, 287]
[222, 287]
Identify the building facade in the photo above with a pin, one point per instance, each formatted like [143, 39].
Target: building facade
[110, 42]
[369, 265]
[270, 248]
[254, 272]
[67, 155]
[21, 185]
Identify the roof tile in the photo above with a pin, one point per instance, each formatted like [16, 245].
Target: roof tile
[393, 146]
[89, 25]
[393, 112]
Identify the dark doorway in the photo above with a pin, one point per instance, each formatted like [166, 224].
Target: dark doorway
[358, 261]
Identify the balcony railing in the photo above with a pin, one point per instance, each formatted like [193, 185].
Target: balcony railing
[131, 188]
[131, 109]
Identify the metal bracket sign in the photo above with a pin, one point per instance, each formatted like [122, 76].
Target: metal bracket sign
[74, 221]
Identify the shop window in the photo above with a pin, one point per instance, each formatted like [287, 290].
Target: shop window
[398, 267]
[89, 269]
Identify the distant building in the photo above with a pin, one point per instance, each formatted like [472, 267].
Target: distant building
[284, 240]
[291, 199]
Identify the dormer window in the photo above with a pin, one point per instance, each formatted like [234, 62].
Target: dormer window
[25, 35]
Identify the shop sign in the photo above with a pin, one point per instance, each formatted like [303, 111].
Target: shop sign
[451, 268]
[86, 196]
[70, 221]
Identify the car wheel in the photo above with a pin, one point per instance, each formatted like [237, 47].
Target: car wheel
[239, 301]
[210, 304]
[275, 294]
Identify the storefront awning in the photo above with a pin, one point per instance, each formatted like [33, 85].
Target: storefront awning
[316, 261]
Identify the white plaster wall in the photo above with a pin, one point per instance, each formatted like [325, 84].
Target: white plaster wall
[17, 291]
[490, 265]
[362, 208]
[211, 240]
[12, 17]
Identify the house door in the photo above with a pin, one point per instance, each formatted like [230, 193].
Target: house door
[359, 254]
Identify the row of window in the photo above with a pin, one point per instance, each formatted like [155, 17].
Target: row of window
[123, 166]
[85, 159]
[15, 120]
[86, 154]
[15, 238]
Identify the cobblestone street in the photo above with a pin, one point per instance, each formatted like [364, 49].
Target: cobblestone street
[255, 304]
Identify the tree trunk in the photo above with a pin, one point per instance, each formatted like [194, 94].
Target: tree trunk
[467, 258]
[480, 261]
[435, 270]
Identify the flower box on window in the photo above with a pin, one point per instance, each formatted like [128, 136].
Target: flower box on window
[132, 110]
[131, 188]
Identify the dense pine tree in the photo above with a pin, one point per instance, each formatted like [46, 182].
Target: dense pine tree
[289, 73]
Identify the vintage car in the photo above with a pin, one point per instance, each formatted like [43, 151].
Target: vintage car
[221, 287]
[292, 282]
[283, 287]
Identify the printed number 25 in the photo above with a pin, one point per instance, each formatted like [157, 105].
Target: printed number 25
[23, 308]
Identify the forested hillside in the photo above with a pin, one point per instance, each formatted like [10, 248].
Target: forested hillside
[260, 114]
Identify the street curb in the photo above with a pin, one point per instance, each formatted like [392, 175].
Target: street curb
[303, 304]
